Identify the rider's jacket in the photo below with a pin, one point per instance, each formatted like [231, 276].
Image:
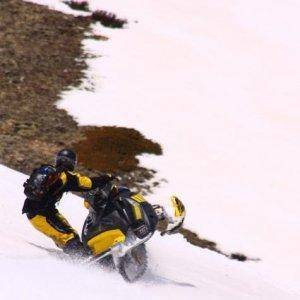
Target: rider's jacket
[68, 181]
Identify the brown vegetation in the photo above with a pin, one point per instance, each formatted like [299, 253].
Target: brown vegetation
[195, 240]
[40, 56]
[78, 5]
[108, 19]
[113, 149]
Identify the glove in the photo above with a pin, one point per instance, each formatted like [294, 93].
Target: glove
[102, 180]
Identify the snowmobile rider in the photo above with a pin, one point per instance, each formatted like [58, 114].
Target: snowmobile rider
[115, 210]
[44, 189]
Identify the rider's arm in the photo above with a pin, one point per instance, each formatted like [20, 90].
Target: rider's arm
[79, 183]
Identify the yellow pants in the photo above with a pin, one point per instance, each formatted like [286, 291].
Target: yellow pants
[56, 227]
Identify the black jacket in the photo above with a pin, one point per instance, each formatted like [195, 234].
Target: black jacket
[68, 181]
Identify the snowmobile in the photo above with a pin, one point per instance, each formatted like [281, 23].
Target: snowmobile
[119, 224]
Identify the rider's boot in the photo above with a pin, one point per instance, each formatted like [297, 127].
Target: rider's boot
[75, 248]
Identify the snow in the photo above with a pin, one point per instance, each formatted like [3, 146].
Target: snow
[176, 268]
[216, 83]
[59, 6]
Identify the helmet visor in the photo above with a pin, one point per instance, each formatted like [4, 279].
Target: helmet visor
[66, 163]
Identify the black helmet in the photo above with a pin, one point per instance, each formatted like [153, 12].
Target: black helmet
[66, 160]
[40, 181]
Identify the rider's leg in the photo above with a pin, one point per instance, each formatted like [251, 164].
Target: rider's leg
[55, 226]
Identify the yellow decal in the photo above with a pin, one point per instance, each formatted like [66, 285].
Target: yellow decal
[138, 198]
[86, 204]
[83, 181]
[178, 206]
[105, 240]
[63, 177]
[40, 223]
[137, 211]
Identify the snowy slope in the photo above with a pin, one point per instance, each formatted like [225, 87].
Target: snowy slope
[176, 268]
[215, 82]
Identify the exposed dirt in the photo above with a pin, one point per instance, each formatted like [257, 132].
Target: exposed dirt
[78, 5]
[113, 148]
[37, 60]
[195, 240]
[40, 56]
[107, 19]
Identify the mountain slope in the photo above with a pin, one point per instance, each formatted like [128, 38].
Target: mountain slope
[176, 268]
[216, 85]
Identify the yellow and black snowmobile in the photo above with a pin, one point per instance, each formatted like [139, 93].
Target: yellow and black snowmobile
[119, 224]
